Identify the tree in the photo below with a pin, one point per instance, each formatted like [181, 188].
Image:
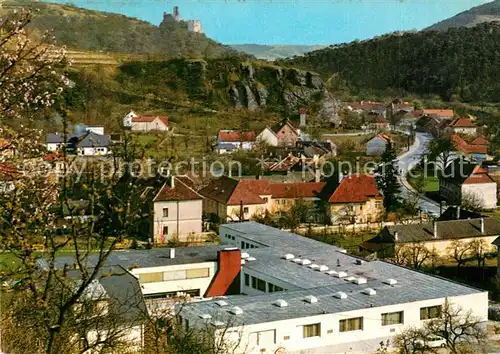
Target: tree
[387, 179]
[440, 151]
[460, 252]
[471, 201]
[413, 255]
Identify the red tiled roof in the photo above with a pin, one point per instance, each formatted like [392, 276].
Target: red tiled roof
[248, 191]
[478, 175]
[417, 113]
[296, 190]
[5, 144]
[480, 140]
[365, 105]
[466, 148]
[8, 171]
[438, 112]
[477, 149]
[180, 192]
[235, 136]
[380, 120]
[462, 123]
[149, 119]
[289, 125]
[385, 137]
[355, 189]
[52, 156]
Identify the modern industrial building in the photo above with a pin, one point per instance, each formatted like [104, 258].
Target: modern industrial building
[301, 295]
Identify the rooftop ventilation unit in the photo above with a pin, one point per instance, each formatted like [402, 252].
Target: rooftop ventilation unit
[342, 250]
[390, 281]
[221, 303]
[306, 262]
[288, 256]
[218, 323]
[314, 266]
[280, 303]
[297, 260]
[205, 316]
[311, 299]
[359, 261]
[323, 268]
[245, 255]
[340, 275]
[251, 259]
[340, 295]
[359, 280]
[332, 272]
[230, 248]
[369, 291]
[350, 278]
[236, 310]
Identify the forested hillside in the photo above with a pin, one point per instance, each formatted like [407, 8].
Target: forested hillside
[80, 28]
[459, 64]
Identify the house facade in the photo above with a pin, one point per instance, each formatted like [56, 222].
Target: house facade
[377, 145]
[231, 140]
[177, 211]
[462, 126]
[464, 180]
[268, 137]
[145, 123]
[287, 135]
[87, 143]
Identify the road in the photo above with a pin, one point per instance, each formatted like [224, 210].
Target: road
[409, 160]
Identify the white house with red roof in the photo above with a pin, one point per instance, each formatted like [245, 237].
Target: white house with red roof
[178, 210]
[463, 126]
[463, 180]
[268, 136]
[356, 199]
[231, 140]
[145, 123]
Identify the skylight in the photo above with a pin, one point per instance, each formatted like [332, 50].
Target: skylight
[311, 299]
[369, 291]
[390, 281]
[306, 262]
[340, 295]
[205, 316]
[288, 256]
[280, 303]
[236, 310]
[221, 303]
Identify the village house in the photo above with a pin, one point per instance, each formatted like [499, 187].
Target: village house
[463, 180]
[178, 210]
[6, 149]
[367, 107]
[378, 123]
[356, 199]
[476, 150]
[145, 123]
[436, 236]
[8, 174]
[438, 113]
[287, 135]
[462, 126]
[268, 136]
[377, 145]
[231, 140]
[86, 143]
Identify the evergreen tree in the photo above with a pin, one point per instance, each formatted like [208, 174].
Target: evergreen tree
[387, 179]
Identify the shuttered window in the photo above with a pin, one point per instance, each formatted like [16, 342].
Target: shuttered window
[312, 330]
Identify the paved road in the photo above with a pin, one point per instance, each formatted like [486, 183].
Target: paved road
[409, 160]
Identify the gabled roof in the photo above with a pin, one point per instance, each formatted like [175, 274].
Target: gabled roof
[92, 139]
[440, 113]
[480, 140]
[287, 124]
[235, 136]
[460, 172]
[181, 191]
[383, 137]
[232, 192]
[269, 129]
[149, 119]
[462, 123]
[296, 190]
[379, 119]
[356, 188]
[467, 148]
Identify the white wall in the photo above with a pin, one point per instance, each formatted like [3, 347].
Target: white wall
[177, 285]
[361, 341]
[92, 151]
[190, 219]
[156, 125]
[486, 191]
[53, 146]
[96, 130]
[268, 136]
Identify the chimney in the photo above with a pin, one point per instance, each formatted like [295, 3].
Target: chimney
[226, 279]
[317, 175]
[395, 235]
[435, 234]
[172, 253]
[172, 181]
[482, 225]
[458, 212]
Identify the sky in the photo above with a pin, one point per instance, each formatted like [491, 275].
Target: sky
[291, 21]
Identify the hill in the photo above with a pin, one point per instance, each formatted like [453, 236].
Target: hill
[460, 63]
[489, 12]
[98, 31]
[273, 52]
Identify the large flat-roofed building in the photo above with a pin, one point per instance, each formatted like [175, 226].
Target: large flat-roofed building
[301, 295]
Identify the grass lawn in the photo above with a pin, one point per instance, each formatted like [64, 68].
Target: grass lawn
[427, 183]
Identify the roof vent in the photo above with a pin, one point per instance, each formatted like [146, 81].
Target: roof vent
[221, 303]
[297, 260]
[311, 299]
[359, 280]
[340, 275]
[350, 278]
[390, 281]
[288, 256]
[251, 259]
[230, 248]
[205, 316]
[332, 272]
[342, 250]
[340, 295]
[360, 261]
[280, 303]
[314, 266]
[369, 291]
[218, 323]
[245, 255]
[323, 268]
[236, 310]
[306, 262]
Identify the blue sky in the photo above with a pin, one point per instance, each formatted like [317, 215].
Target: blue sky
[292, 21]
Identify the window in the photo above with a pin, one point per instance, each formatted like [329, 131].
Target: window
[165, 230]
[242, 245]
[361, 208]
[174, 275]
[261, 285]
[165, 212]
[197, 273]
[351, 324]
[266, 199]
[150, 277]
[427, 313]
[247, 280]
[254, 282]
[245, 210]
[273, 288]
[312, 330]
[392, 318]
[286, 337]
[277, 201]
[378, 204]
